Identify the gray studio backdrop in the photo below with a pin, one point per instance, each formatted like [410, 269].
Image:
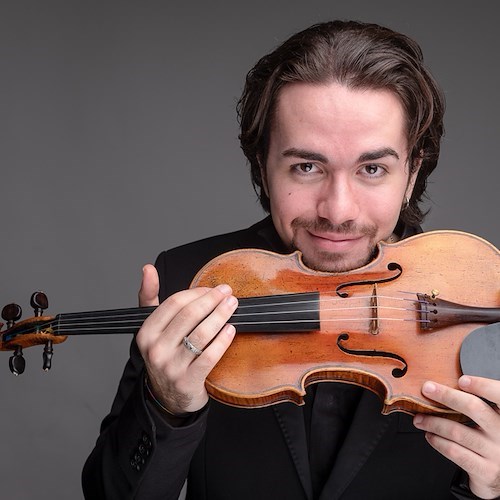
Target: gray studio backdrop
[119, 139]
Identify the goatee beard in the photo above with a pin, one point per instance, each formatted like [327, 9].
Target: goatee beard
[334, 261]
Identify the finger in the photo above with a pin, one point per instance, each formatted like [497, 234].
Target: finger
[469, 460]
[203, 365]
[176, 317]
[465, 403]
[195, 313]
[452, 438]
[475, 439]
[150, 287]
[155, 325]
[210, 327]
[483, 387]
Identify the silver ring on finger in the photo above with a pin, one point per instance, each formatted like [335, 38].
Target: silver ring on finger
[191, 347]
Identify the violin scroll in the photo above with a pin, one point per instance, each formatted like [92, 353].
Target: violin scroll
[27, 333]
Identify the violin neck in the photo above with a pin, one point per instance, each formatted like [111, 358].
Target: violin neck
[115, 321]
[297, 312]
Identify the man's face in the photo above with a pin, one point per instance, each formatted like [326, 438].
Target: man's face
[336, 173]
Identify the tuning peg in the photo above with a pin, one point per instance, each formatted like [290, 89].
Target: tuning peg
[11, 313]
[39, 302]
[47, 356]
[17, 363]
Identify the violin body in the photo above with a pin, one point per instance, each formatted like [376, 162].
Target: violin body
[373, 330]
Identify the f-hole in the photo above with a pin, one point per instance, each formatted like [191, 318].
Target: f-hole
[396, 372]
[392, 266]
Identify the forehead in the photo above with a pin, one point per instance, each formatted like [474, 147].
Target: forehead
[315, 112]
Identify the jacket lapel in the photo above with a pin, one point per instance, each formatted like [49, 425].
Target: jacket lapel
[291, 420]
[364, 434]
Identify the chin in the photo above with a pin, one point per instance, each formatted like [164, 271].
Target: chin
[333, 263]
[336, 262]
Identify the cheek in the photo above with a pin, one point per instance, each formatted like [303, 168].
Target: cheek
[382, 206]
[290, 202]
[283, 205]
[286, 205]
[383, 209]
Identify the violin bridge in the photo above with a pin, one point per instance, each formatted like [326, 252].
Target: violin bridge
[374, 322]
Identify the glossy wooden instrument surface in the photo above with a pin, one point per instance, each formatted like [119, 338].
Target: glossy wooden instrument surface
[378, 328]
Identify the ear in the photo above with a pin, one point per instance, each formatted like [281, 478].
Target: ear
[263, 176]
[413, 177]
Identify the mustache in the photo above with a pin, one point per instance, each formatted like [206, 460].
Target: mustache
[320, 224]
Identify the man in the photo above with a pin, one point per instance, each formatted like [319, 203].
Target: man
[341, 125]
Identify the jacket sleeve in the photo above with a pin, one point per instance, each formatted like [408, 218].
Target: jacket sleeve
[138, 455]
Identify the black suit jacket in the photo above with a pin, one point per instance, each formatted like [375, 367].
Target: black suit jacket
[237, 454]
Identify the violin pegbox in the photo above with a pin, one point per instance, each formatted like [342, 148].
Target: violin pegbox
[27, 333]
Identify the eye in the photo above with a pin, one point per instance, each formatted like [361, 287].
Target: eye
[305, 168]
[373, 171]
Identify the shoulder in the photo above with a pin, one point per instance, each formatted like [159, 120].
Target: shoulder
[178, 265]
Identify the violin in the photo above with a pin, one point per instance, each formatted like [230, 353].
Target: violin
[427, 307]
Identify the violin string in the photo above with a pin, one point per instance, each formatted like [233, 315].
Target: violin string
[329, 299]
[111, 328]
[87, 320]
[327, 320]
[123, 317]
[299, 311]
[68, 327]
[322, 300]
[110, 323]
[126, 316]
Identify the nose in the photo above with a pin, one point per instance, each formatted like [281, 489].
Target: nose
[338, 201]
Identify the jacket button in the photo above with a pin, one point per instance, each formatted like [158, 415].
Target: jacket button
[146, 440]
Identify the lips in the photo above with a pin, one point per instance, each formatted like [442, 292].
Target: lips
[334, 242]
[337, 238]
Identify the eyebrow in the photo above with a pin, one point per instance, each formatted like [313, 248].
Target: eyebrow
[312, 156]
[377, 154]
[305, 154]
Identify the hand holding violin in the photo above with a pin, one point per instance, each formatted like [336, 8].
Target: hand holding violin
[177, 375]
[475, 449]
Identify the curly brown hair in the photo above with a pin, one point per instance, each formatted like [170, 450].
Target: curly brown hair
[357, 55]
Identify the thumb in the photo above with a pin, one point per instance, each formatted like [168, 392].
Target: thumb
[150, 286]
